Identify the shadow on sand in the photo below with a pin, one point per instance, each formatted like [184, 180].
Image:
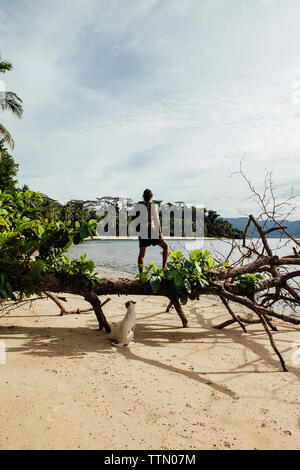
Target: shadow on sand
[77, 342]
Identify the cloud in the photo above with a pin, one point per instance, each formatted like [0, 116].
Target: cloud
[122, 95]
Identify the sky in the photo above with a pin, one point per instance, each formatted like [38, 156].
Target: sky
[120, 95]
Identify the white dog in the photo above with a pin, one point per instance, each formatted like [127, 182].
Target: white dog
[123, 332]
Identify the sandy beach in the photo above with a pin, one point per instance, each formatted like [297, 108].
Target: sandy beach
[65, 386]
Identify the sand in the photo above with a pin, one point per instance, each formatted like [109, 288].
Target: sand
[64, 386]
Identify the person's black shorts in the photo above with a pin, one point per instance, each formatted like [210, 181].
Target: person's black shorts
[149, 241]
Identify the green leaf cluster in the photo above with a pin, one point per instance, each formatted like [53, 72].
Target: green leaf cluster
[247, 282]
[31, 247]
[6, 291]
[184, 275]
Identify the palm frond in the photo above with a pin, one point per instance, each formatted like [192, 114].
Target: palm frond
[5, 66]
[13, 103]
[5, 135]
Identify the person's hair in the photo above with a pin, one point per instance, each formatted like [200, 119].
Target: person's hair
[147, 195]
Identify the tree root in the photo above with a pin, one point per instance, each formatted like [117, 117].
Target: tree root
[63, 311]
[56, 301]
[92, 298]
[180, 312]
[234, 317]
[224, 324]
[265, 325]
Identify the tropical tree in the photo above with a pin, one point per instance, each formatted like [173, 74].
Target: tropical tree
[9, 101]
[215, 226]
[8, 169]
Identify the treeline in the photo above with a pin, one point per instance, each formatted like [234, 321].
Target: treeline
[74, 210]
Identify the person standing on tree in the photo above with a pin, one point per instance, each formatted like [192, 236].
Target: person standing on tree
[153, 226]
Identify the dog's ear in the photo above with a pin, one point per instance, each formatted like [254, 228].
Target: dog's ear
[127, 304]
[133, 302]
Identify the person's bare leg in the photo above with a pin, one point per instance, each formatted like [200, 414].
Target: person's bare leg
[141, 257]
[163, 244]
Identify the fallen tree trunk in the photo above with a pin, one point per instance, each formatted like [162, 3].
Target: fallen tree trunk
[109, 286]
[121, 286]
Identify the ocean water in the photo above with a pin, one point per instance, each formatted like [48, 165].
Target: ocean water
[119, 257]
